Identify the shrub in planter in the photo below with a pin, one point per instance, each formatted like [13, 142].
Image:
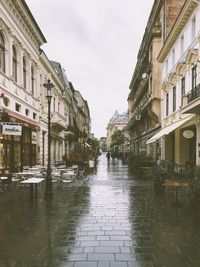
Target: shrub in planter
[159, 174]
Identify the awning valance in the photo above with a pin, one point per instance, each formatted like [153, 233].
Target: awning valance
[168, 129]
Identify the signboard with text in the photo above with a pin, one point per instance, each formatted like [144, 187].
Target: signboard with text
[9, 129]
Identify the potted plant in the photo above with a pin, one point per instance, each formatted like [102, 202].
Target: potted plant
[160, 173]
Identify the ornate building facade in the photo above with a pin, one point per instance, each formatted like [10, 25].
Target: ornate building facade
[24, 69]
[117, 122]
[180, 57]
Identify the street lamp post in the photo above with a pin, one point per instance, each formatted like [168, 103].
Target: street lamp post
[138, 117]
[48, 87]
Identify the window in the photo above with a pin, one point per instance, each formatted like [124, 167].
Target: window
[14, 60]
[27, 112]
[182, 45]
[174, 98]
[24, 72]
[6, 101]
[167, 104]
[32, 81]
[34, 115]
[17, 107]
[193, 27]
[58, 107]
[194, 77]
[182, 89]
[2, 53]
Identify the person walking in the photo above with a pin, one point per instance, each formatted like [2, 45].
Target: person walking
[108, 155]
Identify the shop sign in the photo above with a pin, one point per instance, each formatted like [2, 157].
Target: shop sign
[34, 138]
[10, 129]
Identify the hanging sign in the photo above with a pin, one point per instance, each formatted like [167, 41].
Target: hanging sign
[10, 129]
[188, 134]
[34, 138]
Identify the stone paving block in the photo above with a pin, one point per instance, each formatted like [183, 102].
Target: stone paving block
[124, 238]
[88, 249]
[85, 264]
[101, 257]
[117, 233]
[125, 250]
[103, 238]
[89, 243]
[118, 264]
[111, 243]
[107, 250]
[77, 257]
[96, 233]
[104, 264]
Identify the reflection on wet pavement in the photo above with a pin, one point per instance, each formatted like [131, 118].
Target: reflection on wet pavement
[109, 219]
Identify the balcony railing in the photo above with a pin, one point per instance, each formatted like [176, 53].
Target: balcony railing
[194, 93]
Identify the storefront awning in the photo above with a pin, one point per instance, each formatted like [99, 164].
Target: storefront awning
[18, 118]
[168, 129]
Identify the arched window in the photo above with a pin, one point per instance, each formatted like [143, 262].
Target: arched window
[2, 53]
[24, 72]
[14, 63]
[32, 80]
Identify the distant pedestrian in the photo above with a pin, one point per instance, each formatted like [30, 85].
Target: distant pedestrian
[108, 155]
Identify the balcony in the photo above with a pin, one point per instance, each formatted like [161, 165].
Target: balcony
[192, 103]
[58, 121]
[141, 90]
[69, 130]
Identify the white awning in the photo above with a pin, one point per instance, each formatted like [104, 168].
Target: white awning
[168, 129]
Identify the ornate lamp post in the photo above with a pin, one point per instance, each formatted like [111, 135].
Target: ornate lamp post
[48, 87]
[138, 117]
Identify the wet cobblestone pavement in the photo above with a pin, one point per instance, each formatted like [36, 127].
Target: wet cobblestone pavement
[109, 219]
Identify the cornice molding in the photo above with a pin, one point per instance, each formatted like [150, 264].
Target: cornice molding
[179, 24]
[20, 12]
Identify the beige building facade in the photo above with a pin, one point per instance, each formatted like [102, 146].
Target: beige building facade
[179, 56]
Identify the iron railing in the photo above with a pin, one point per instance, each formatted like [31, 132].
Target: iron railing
[194, 93]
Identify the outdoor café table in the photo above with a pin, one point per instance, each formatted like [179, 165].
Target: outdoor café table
[33, 181]
[176, 185]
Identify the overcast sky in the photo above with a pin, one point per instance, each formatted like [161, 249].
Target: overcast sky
[96, 42]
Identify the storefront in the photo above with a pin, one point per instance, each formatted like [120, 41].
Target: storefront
[18, 144]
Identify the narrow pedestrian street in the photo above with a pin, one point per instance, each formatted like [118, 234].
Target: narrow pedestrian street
[111, 218]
